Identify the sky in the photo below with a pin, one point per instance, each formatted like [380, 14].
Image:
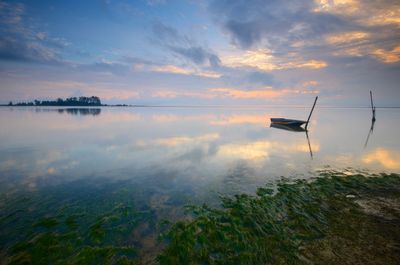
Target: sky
[203, 52]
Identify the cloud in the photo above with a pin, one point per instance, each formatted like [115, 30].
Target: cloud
[367, 13]
[178, 93]
[183, 46]
[254, 22]
[11, 16]
[243, 94]
[17, 50]
[22, 42]
[172, 69]
[240, 94]
[317, 30]
[346, 37]
[167, 34]
[347, 7]
[392, 56]
[267, 93]
[147, 66]
[243, 33]
[265, 60]
[262, 78]
[362, 44]
[198, 55]
[104, 66]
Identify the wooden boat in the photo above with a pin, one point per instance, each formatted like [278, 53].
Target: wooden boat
[287, 122]
[291, 122]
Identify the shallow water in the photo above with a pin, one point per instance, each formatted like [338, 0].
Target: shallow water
[88, 164]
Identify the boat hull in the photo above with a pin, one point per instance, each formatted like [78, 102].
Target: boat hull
[289, 122]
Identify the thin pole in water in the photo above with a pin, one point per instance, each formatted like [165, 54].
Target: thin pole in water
[309, 116]
[372, 106]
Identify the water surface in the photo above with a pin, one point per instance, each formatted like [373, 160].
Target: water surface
[91, 163]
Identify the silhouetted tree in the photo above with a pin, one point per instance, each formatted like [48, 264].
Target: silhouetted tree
[73, 101]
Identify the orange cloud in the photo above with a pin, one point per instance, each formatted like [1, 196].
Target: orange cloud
[311, 64]
[385, 15]
[346, 37]
[385, 56]
[173, 69]
[174, 94]
[355, 44]
[388, 159]
[365, 13]
[310, 83]
[267, 93]
[337, 6]
[244, 94]
[264, 60]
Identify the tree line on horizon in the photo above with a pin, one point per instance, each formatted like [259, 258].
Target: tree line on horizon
[72, 101]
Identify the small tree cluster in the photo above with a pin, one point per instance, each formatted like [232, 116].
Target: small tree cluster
[72, 101]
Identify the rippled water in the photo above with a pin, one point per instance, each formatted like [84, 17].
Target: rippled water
[57, 162]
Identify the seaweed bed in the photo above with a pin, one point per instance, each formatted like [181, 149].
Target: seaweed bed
[335, 218]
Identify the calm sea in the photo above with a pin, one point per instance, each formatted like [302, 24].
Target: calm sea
[54, 161]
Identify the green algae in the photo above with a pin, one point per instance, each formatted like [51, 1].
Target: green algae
[303, 222]
[335, 218]
[47, 222]
[71, 226]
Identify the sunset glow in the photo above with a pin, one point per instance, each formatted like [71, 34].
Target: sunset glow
[200, 53]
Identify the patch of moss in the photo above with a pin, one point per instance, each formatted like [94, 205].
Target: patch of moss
[302, 222]
[83, 239]
[97, 232]
[71, 222]
[103, 255]
[47, 222]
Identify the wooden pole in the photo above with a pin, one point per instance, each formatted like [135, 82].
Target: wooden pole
[372, 103]
[309, 116]
[309, 145]
[372, 106]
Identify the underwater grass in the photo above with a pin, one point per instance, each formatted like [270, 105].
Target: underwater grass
[71, 226]
[304, 222]
[332, 219]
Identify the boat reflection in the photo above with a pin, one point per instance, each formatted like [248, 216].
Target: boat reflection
[293, 128]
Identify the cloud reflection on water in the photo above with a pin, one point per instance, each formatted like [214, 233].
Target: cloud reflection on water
[388, 158]
[197, 145]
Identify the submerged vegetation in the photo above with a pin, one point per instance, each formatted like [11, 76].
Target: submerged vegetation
[333, 219]
[74, 225]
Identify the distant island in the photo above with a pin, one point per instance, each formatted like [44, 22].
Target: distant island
[73, 101]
